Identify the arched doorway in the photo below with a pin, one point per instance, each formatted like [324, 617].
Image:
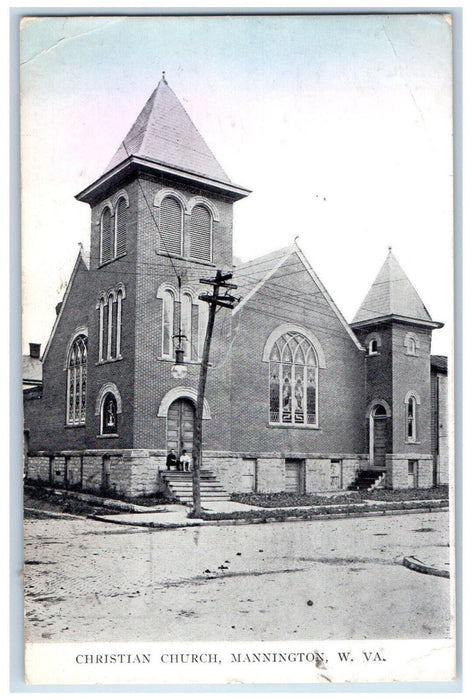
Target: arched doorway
[180, 424]
[378, 435]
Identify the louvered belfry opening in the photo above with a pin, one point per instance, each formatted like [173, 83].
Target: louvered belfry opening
[121, 222]
[170, 226]
[200, 233]
[106, 237]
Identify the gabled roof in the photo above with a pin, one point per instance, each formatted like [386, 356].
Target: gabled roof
[164, 133]
[252, 275]
[82, 260]
[392, 294]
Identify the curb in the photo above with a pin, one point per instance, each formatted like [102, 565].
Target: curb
[154, 526]
[415, 564]
[53, 514]
[268, 519]
[95, 499]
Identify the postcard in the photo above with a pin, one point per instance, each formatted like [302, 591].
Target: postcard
[237, 274]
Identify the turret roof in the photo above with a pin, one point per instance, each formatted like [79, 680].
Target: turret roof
[164, 133]
[392, 294]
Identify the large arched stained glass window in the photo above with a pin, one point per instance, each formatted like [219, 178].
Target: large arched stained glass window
[293, 381]
[77, 381]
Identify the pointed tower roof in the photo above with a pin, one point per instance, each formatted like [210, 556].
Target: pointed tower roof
[164, 133]
[392, 295]
[163, 138]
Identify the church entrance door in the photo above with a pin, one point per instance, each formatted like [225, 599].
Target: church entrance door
[180, 420]
[378, 436]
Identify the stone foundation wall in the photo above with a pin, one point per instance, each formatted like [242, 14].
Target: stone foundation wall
[227, 470]
[74, 472]
[231, 471]
[127, 473]
[144, 472]
[38, 469]
[397, 476]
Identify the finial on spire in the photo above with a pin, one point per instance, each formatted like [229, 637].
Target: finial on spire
[164, 77]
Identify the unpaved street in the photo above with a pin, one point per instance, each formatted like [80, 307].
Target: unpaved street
[332, 579]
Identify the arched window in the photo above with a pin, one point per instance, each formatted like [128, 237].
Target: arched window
[411, 418]
[119, 301]
[110, 312]
[203, 312]
[109, 415]
[186, 324]
[106, 239]
[171, 226]
[101, 330]
[200, 233]
[109, 336]
[293, 387]
[411, 344]
[121, 215]
[373, 344]
[167, 322]
[77, 381]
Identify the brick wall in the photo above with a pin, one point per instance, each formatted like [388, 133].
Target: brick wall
[341, 384]
[411, 373]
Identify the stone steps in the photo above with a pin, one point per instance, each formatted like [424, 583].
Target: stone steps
[365, 480]
[181, 485]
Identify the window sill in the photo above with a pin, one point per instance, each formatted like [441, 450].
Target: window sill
[108, 262]
[412, 442]
[411, 354]
[373, 354]
[186, 362]
[107, 435]
[296, 426]
[74, 425]
[175, 256]
[107, 362]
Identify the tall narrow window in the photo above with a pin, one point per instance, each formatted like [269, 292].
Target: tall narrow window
[171, 226]
[167, 322]
[109, 415]
[119, 300]
[293, 383]
[411, 419]
[109, 327]
[77, 381]
[203, 311]
[101, 329]
[121, 214]
[186, 323]
[200, 233]
[106, 239]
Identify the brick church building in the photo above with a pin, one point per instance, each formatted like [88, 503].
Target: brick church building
[297, 399]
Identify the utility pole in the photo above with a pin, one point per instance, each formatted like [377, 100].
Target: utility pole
[214, 300]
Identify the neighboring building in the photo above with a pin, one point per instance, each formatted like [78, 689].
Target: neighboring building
[297, 399]
[32, 369]
[439, 419]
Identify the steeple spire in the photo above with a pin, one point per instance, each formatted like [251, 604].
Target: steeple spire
[164, 134]
[392, 294]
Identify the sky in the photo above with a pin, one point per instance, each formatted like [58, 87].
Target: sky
[340, 125]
